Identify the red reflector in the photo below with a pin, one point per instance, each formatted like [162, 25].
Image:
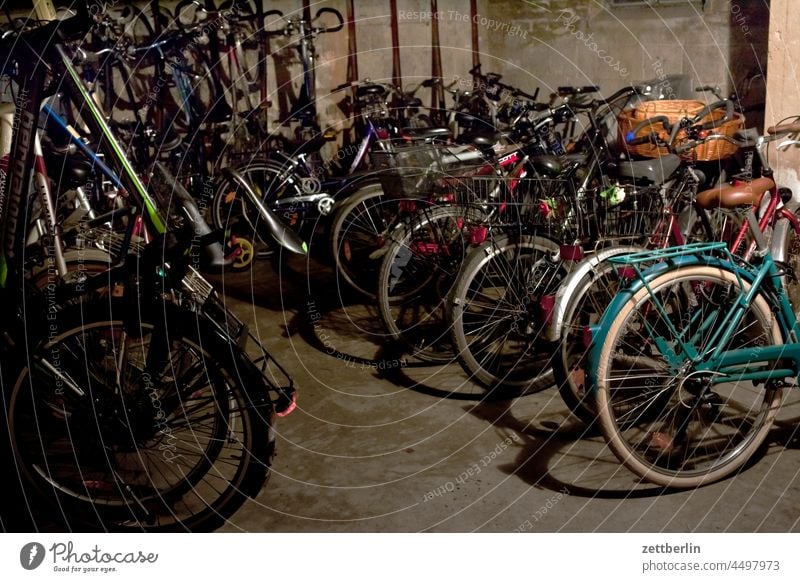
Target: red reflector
[285, 408]
[408, 206]
[478, 235]
[547, 303]
[384, 134]
[571, 252]
[626, 272]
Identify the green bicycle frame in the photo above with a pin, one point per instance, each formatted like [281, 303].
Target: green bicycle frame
[33, 88]
[728, 365]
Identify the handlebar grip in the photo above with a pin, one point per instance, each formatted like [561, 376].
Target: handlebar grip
[634, 141]
[663, 119]
[785, 128]
[569, 90]
[727, 103]
[338, 15]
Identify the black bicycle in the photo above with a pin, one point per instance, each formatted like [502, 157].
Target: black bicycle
[131, 400]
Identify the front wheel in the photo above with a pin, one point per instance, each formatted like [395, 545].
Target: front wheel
[360, 237]
[232, 211]
[130, 425]
[669, 421]
[499, 309]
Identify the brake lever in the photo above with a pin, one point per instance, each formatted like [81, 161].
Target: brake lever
[785, 145]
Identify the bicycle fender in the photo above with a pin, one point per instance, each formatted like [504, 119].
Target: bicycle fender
[781, 230]
[599, 332]
[569, 286]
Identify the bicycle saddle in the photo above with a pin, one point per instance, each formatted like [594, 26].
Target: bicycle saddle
[311, 145]
[422, 133]
[546, 165]
[364, 90]
[69, 167]
[745, 194]
[482, 141]
[656, 171]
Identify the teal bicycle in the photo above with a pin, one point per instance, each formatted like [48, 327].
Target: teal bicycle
[689, 363]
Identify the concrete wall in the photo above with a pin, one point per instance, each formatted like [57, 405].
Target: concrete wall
[548, 43]
[783, 87]
[541, 43]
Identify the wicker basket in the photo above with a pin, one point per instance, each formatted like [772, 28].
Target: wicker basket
[674, 110]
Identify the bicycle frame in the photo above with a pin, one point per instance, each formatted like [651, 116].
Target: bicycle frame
[725, 365]
[34, 74]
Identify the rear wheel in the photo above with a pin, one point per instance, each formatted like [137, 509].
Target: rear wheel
[233, 212]
[666, 420]
[499, 310]
[587, 304]
[417, 274]
[362, 230]
[132, 425]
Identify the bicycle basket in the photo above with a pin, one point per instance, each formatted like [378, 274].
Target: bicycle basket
[413, 171]
[675, 110]
[626, 212]
[537, 203]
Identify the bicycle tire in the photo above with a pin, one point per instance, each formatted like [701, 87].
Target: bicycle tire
[104, 461]
[415, 278]
[650, 430]
[587, 303]
[232, 211]
[360, 234]
[498, 340]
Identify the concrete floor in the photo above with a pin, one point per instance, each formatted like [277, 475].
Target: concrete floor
[418, 452]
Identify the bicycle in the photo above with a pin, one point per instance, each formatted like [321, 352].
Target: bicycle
[592, 284]
[688, 363]
[503, 295]
[92, 357]
[425, 255]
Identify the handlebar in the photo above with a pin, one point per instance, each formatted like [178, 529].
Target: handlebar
[784, 129]
[686, 123]
[336, 13]
[304, 26]
[566, 91]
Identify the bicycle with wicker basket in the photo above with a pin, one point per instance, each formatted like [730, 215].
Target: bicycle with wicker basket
[592, 284]
[504, 295]
[689, 362]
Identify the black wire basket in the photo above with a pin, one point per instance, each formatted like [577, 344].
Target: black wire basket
[414, 171]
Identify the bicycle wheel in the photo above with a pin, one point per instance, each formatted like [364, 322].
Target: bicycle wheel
[417, 273]
[361, 233]
[232, 211]
[498, 311]
[666, 421]
[791, 246]
[587, 304]
[131, 425]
